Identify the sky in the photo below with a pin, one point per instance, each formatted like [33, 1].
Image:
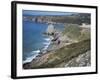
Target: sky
[44, 13]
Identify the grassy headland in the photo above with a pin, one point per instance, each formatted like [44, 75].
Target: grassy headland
[63, 55]
[74, 41]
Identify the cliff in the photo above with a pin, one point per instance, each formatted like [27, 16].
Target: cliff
[69, 48]
[61, 56]
[74, 19]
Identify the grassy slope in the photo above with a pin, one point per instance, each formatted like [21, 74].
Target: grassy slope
[74, 32]
[85, 34]
[68, 52]
[65, 54]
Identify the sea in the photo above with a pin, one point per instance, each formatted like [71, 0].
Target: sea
[34, 40]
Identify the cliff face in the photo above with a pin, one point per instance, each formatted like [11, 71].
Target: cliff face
[50, 29]
[74, 19]
[79, 61]
[70, 55]
[74, 49]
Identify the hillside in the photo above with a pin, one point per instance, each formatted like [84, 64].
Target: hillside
[68, 48]
[62, 55]
[75, 18]
[75, 32]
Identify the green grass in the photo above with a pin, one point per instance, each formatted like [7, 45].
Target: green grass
[85, 35]
[65, 54]
[72, 31]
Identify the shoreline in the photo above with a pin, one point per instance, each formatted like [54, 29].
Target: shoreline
[42, 59]
[40, 53]
[47, 51]
[51, 47]
[69, 47]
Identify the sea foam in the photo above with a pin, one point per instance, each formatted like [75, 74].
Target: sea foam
[36, 52]
[47, 39]
[29, 59]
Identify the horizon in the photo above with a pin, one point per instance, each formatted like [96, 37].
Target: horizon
[45, 13]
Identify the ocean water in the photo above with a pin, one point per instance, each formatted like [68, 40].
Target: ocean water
[34, 40]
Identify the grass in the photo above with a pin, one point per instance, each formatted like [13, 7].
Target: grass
[65, 54]
[85, 35]
[72, 31]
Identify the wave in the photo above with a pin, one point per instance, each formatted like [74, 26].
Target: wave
[35, 52]
[29, 59]
[47, 39]
[45, 48]
[46, 43]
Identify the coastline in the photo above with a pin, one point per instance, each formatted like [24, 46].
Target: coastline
[59, 52]
[56, 59]
[39, 52]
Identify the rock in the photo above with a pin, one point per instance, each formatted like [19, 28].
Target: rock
[80, 61]
[50, 29]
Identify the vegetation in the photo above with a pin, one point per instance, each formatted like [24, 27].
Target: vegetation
[75, 18]
[72, 31]
[65, 54]
[85, 34]
[78, 37]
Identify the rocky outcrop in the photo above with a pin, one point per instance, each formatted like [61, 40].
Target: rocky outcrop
[50, 29]
[80, 61]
